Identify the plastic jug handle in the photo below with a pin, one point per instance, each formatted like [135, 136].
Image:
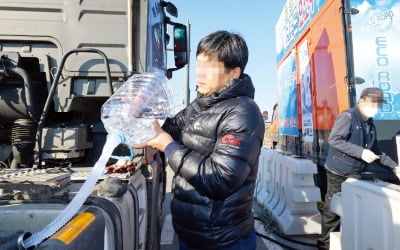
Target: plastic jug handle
[130, 157]
[125, 141]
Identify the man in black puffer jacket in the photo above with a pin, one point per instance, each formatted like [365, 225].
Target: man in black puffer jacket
[213, 147]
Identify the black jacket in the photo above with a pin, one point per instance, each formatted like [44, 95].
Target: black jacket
[215, 166]
[349, 136]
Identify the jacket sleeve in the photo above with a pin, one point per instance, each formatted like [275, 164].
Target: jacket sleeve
[174, 125]
[384, 160]
[225, 170]
[340, 133]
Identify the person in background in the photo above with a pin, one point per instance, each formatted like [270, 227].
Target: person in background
[213, 147]
[352, 145]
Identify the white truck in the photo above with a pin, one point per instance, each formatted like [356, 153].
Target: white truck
[59, 62]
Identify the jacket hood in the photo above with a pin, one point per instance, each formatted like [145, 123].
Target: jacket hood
[235, 88]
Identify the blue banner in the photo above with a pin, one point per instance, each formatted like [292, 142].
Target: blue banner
[376, 45]
[286, 74]
[294, 18]
[306, 99]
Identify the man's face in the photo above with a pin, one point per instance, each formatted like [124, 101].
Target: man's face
[211, 75]
[368, 107]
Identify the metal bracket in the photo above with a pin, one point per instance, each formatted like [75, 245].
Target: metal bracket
[352, 11]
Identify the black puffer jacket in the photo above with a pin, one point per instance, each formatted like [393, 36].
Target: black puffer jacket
[216, 166]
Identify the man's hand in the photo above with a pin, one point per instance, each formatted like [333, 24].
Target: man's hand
[160, 141]
[368, 156]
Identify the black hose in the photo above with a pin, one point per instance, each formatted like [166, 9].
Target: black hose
[14, 240]
[31, 104]
[9, 241]
[28, 90]
[288, 239]
[295, 241]
[275, 241]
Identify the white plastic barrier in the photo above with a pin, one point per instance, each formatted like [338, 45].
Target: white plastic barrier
[285, 186]
[370, 215]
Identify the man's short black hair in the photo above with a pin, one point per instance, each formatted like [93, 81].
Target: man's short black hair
[227, 47]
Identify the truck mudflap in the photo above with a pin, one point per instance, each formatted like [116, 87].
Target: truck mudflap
[82, 232]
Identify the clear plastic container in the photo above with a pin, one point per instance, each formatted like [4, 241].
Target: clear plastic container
[131, 109]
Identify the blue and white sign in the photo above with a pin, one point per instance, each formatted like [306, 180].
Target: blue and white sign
[287, 89]
[295, 17]
[306, 99]
[376, 44]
